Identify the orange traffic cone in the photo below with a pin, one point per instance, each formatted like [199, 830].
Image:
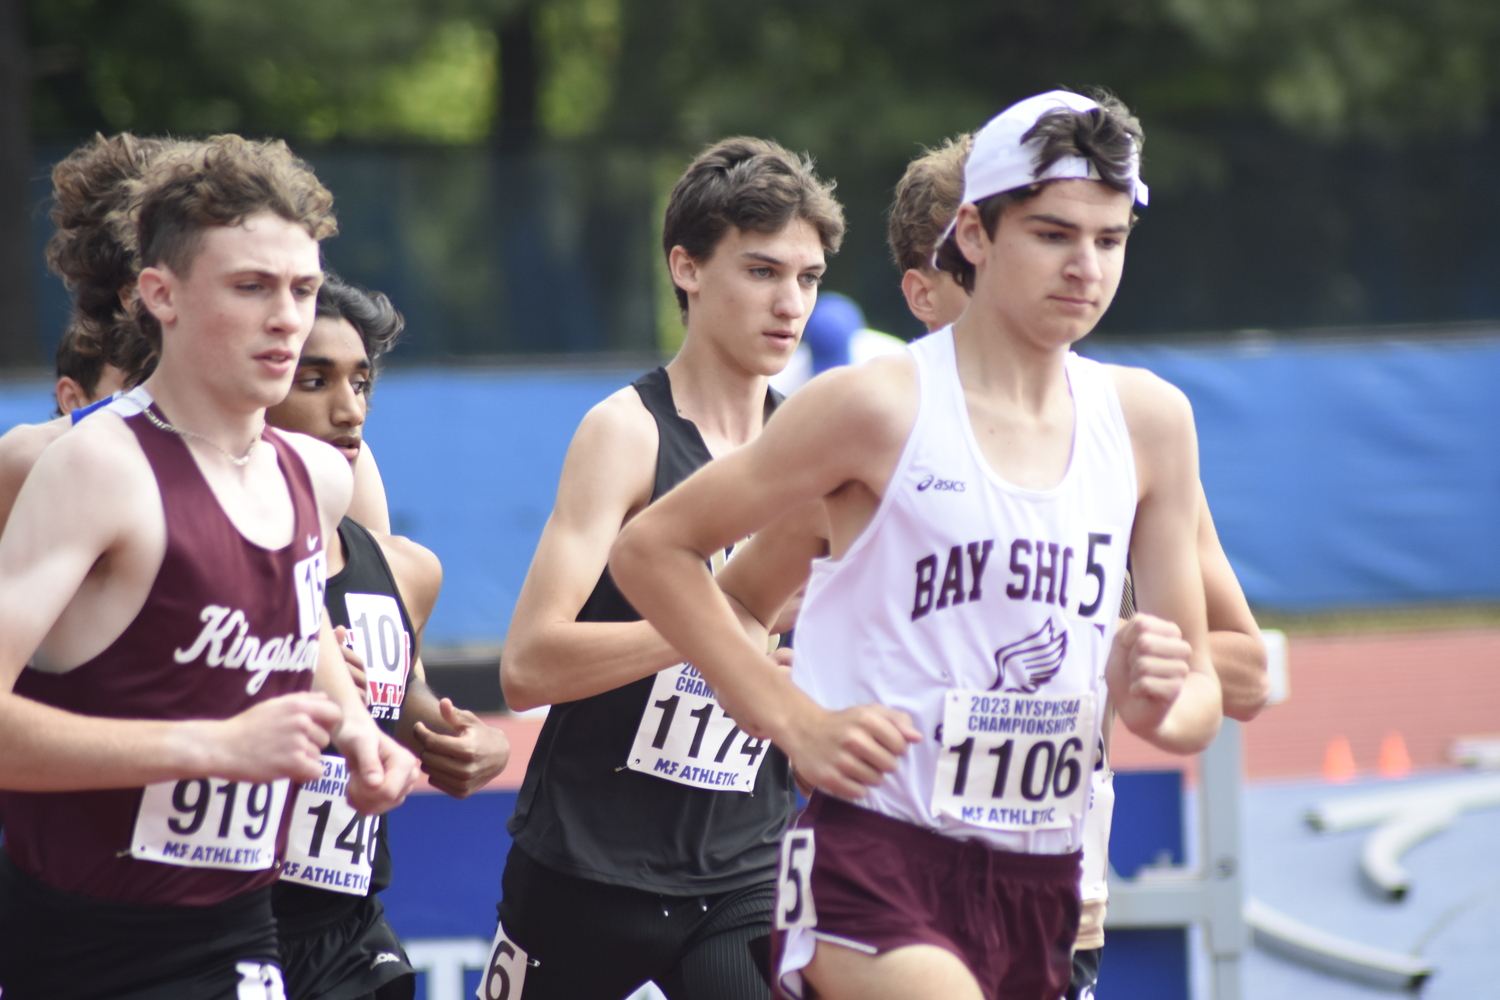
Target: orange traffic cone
[1338, 762]
[1395, 762]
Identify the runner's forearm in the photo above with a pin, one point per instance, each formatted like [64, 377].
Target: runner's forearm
[1240, 662]
[670, 584]
[1188, 726]
[45, 749]
[567, 661]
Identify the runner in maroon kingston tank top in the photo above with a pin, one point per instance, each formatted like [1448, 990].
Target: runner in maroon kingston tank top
[161, 620]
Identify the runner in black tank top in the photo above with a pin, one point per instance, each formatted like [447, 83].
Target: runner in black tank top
[645, 878]
[581, 812]
[646, 826]
[335, 941]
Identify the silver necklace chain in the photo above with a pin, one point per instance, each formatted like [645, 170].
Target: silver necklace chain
[239, 461]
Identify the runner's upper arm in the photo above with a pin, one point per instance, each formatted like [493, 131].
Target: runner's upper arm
[1239, 653]
[332, 479]
[608, 475]
[20, 448]
[368, 505]
[766, 571]
[76, 506]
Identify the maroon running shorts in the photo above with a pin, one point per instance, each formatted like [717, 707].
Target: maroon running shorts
[879, 883]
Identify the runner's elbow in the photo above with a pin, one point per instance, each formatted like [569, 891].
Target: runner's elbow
[518, 680]
[1243, 702]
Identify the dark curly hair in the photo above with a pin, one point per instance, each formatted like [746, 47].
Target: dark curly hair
[374, 318]
[95, 252]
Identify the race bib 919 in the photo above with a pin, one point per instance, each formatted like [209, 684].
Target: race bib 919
[1015, 762]
[684, 736]
[209, 823]
[329, 845]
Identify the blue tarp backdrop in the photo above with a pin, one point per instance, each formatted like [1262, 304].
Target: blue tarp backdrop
[1347, 473]
[1340, 473]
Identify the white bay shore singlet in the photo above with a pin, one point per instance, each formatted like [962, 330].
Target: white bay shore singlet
[986, 612]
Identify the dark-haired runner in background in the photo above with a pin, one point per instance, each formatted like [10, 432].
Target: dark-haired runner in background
[335, 941]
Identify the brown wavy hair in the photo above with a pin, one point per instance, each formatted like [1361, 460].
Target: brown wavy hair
[927, 197]
[219, 182]
[752, 184]
[94, 251]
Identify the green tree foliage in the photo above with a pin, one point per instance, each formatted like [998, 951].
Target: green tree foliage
[669, 74]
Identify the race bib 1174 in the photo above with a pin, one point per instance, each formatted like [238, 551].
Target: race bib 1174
[209, 823]
[685, 736]
[1015, 762]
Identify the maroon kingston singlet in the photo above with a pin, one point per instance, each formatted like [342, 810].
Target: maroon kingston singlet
[227, 624]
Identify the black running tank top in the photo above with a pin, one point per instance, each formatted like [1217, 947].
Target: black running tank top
[583, 813]
[226, 624]
[385, 643]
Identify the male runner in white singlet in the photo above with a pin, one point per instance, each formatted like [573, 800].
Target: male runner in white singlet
[976, 499]
[927, 197]
[144, 868]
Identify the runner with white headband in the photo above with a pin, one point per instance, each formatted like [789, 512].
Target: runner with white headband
[974, 501]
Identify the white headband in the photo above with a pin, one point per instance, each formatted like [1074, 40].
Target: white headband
[1001, 162]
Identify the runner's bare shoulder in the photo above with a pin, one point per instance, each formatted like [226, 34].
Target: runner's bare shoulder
[1156, 411]
[332, 478]
[612, 457]
[865, 411]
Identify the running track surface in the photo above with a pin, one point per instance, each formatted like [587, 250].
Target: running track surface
[1430, 687]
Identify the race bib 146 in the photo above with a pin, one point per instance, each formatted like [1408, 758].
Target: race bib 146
[1015, 762]
[684, 736]
[329, 845]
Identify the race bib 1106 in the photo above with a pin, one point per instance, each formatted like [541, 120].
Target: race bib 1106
[209, 823]
[1015, 762]
[330, 846]
[684, 736]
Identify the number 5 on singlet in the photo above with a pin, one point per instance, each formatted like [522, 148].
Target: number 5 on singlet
[1015, 762]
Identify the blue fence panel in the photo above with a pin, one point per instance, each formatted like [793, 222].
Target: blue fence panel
[1347, 473]
[470, 461]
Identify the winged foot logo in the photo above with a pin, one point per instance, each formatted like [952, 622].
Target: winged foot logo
[1028, 663]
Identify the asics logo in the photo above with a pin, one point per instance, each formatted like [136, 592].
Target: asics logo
[931, 482]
